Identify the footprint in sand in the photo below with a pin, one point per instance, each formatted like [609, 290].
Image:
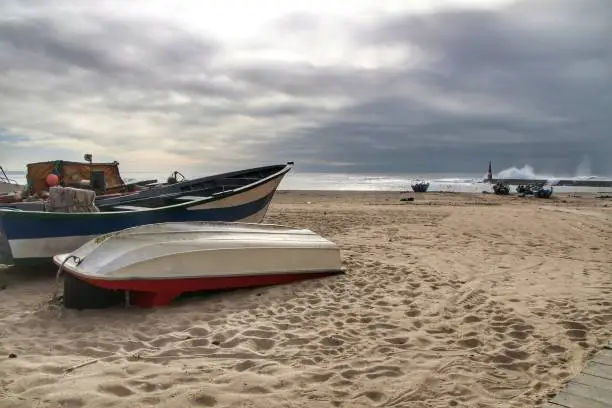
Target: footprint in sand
[472, 319]
[469, 343]
[332, 341]
[320, 378]
[576, 335]
[244, 365]
[205, 400]
[198, 332]
[71, 402]
[517, 354]
[374, 396]
[117, 390]
[577, 332]
[397, 340]
[554, 349]
[520, 329]
[263, 334]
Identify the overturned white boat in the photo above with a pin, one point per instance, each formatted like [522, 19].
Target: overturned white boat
[155, 263]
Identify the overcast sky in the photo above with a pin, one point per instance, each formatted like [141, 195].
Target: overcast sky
[339, 86]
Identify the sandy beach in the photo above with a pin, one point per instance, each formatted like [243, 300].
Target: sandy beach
[451, 300]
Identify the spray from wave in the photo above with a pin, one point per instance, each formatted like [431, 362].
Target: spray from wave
[525, 172]
[582, 172]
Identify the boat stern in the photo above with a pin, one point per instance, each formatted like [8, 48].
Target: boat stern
[68, 262]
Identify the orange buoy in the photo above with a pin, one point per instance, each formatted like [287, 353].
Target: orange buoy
[52, 180]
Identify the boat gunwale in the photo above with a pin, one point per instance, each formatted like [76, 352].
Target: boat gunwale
[220, 223]
[70, 265]
[203, 200]
[160, 186]
[176, 278]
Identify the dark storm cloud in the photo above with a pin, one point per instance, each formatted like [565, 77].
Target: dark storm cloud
[146, 56]
[529, 83]
[309, 80]
[101, 45]
[549, 63]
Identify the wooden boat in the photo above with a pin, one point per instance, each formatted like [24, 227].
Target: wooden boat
[160, 194]
[35, 236]
[420, 186]
[104, 178]
[500, 188]
[158, 262]
[543, 191]
[201, 186]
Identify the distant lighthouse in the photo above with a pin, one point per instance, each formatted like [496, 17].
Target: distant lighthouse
[490, 173]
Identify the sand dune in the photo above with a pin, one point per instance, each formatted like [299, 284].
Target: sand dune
[450, 300]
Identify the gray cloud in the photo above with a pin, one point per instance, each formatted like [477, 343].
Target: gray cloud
[546, 64]
[529, 83]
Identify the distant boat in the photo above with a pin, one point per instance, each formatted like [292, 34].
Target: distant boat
[35, 236]
[543, 191]
[500, 188]
[158, 262]
[420, 186]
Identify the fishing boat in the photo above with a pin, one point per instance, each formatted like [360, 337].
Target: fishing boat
[36, 236]
[156, 263]
[420, 186]
[160, 194]
[500, 188]
[177, 184]
[103, 178]
[544, 191]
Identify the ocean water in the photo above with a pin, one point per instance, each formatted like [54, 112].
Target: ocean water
[296, 180]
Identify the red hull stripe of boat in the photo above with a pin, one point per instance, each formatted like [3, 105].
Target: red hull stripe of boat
[159, 292]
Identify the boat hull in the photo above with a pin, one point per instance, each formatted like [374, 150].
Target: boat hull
[160, 292]
[156, 263]
[196, 187]
[155, 195]
[35, 237]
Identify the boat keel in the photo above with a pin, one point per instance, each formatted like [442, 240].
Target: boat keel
[152, 299]
[155, 293]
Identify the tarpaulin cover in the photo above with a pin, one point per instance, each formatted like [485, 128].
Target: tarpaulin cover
[71, 174]
[70, 199]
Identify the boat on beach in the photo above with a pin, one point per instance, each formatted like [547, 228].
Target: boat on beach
[156, 263]
[160, 194]
[420, 186]
[154, 194]
[102, 178]
[36, 236]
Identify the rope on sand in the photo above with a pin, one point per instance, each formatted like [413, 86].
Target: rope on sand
[74, 367]
[55, 297]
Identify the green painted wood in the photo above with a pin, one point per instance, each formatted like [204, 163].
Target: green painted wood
[599, 370]
[593, 381]
[592, 388]
[598, 394]
[603, 357]
[568, 400]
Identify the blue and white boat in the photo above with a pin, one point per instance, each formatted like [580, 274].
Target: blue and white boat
[33, 236]
[157, 194]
